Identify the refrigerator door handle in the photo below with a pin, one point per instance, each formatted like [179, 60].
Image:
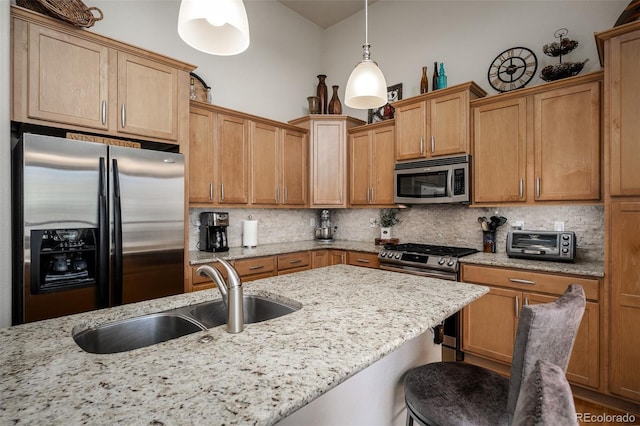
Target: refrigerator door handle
[103, 238]
[117, 237]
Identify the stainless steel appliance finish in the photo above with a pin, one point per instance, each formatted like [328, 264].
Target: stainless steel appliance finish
[431, 261]
[324, 232]
[542, 245]
[438, 180]
[116, 213]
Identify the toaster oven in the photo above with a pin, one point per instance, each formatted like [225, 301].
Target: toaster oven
[542, 245]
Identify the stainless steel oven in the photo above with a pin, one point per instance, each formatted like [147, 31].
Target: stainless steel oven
[436, 262]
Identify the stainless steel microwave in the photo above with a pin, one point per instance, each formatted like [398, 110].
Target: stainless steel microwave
[437, 180]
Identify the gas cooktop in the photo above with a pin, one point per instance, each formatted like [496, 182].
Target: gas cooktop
[432, 250]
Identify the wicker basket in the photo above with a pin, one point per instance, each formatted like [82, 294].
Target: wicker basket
[72, 11]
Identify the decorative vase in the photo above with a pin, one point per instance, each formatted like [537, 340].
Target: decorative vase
[314, 104]
[335, 107]
[442, 77]
[322, 93]
[385, 233]
[424, 82]
[434, 82]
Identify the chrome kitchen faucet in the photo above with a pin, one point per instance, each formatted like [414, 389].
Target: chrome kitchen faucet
[231, 292]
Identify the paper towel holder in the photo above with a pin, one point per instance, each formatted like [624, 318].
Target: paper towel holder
[249, 233]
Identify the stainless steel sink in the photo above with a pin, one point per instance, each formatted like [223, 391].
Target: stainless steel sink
[256, 309]
[134, 333]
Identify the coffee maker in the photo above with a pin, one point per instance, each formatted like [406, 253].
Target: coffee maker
[213, 231]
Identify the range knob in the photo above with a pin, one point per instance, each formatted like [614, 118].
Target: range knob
[383, 254]
[398, 255]
[451, 262]
[441, 261]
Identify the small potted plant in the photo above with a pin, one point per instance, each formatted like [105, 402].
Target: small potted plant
[388, 218]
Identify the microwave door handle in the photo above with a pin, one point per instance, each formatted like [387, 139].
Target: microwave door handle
[450, 184]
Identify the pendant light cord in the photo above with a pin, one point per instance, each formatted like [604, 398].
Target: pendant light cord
[366, 54]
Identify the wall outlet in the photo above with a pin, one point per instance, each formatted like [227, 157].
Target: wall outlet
[372, 222]
[518, 224]
[558, 226]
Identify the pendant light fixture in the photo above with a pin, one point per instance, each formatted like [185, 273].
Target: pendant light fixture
[366, 87]
[218, 27]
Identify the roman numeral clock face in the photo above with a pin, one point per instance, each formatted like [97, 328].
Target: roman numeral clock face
[512, 69]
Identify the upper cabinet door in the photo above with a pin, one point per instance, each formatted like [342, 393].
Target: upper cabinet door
[295, 170]
[567, 143]
[411, 132]
[201, 133]
[360, 153]
[500, 151]
[265, 164]
[232, 160]
[448, 125]
[147, 97]
[382, 165]
[623, 67]
[68, 78]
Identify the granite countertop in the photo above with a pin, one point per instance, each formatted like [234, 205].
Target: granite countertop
[579, 267]
[350, 318]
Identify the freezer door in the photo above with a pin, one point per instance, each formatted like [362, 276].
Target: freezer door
[147, 193]
[61, 179]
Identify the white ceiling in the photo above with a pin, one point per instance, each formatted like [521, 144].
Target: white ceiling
[325, 13]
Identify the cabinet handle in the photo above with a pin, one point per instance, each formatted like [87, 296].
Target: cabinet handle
[363, 260]
[294, 261]
[517, 307]
[222, 192]
[210, 191]
[373, 195]
[521, 188]
[526, 301]
[433, 144]
[123, 116]
[421, 146]
[521, 281]
[538, 187]
[104, 112]
[277, 195]
[341, 196]
[286, 195]
[253, 268]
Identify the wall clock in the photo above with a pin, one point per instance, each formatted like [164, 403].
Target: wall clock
[512, 69]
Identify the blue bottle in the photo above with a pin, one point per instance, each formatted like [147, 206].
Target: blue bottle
[442, 78]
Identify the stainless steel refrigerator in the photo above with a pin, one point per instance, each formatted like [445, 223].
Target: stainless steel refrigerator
[94, 226]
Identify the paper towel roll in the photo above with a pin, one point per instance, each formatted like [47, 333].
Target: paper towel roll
[249, 233]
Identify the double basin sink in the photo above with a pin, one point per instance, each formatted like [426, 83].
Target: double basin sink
[147, 330]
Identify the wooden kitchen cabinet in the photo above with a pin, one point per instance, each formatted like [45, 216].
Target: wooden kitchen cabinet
[294, 262]
[624, 280]
[231, 152]
[436, 123]
[328, 158]
[199, 282]
[201, 159]
[256, 268]
[539, 145]
[71, 78]
[319, 258]
[337, 257]
[278, 166]
[489, 324]
[367, 260]
[371, 165]
[619, 50]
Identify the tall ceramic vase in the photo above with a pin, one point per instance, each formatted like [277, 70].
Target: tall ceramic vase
[335, 106]
[322, 93]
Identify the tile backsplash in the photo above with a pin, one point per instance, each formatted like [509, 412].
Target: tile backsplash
[452, 225]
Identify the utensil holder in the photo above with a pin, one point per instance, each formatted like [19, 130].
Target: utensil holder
[489, 241]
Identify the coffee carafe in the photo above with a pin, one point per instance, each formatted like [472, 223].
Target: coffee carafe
[213, 231]
[324, 232]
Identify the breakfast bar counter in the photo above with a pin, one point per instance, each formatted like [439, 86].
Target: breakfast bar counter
[351, 317]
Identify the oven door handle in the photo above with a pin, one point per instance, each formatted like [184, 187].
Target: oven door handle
[449, 276]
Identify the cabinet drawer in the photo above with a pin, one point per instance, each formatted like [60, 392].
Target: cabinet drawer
[294, 260]
[257, 265]
[368, 260]
[201, 283]
[528, 280]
